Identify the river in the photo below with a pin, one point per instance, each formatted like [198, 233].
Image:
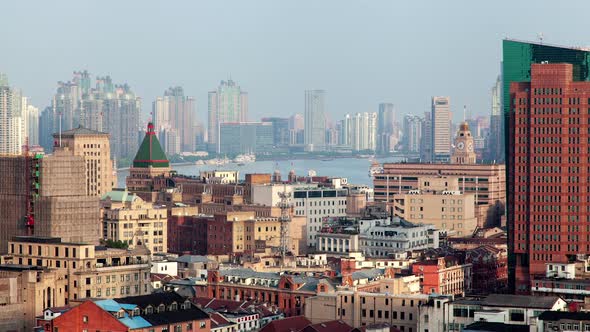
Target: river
[355, 169]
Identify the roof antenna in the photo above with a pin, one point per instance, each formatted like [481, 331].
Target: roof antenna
[540, 37]
[464, 112]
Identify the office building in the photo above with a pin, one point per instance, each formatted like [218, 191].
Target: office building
[441, 129]
[547, 198]
[280, 130]
[426, 143]
[315, 120]
[228, 103]
[412, 133]
[363, 131]
[94, 147]
[245, 137]
[176, 112]
[129, 219]
[385, 128]
[495, 139]
[486, 181]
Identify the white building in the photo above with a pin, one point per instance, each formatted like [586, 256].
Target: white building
[375, 238]
[165, 267]
[362, 132]
[11, 122]
[441, 129]
[315, 120]
[412, 134]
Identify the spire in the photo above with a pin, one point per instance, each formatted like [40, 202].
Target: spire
[150, 153]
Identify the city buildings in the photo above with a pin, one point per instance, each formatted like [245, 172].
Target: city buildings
[129, 219]
[412, 135]
[486, 181]
[441, 129]
[296, 129]
[176, 112]
[385, 128]
[228, 103]
[362, 131]
[246, 137]
[108, 107]
[14, 115]
[444, 275]
[280, 131]
[315, 120]
[547, 201]
[95, 148]
[495, 139]
[90, 271]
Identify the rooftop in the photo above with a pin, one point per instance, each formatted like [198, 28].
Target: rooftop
[150, 153]
[520, 301]
[559, 315]
[80, 131]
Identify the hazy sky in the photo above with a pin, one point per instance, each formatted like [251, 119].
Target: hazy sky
[361, 52]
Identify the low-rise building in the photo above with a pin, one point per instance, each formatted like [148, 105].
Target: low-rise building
[190, 266]
[374, 238]
[444, 275]
[129, 219]
[564, 321]
[91, 272]
[442, 313]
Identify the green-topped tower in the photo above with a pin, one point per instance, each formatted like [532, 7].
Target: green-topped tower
[149, 162]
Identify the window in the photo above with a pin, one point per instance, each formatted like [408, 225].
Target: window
[85, 319]
[202, 325]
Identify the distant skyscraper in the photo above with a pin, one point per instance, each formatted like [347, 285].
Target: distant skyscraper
[246, 137]
[107, 107]
[412, 133]
[280, 128]
[363, 131]
[345, 131]
[426, 143]
[32, 122]
[14, 118]
[226, 104]
[315, 120]
[296, 129]
[441, 129]
[174, 111]
[385, 127]
[495, 138]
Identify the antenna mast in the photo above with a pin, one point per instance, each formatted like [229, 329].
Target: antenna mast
[285, 219]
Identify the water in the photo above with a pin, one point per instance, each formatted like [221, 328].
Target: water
[355, 169]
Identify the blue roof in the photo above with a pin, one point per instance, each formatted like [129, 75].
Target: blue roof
[135, 322]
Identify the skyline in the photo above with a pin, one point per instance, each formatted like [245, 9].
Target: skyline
[276, 51]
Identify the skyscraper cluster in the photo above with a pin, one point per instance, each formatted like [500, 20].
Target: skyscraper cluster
[107, 107]
[174, 119]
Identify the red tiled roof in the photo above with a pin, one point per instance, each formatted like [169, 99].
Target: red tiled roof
[218, 320]
[330, 326]
[290, 324]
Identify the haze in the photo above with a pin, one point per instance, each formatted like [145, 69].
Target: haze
[361, 52]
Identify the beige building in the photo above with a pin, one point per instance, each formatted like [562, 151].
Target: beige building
[94, 146]
[486, 181]
[437, 201]
[128, 218]
[25, 291]
[91, 271]
[219, 176]
[366, 308]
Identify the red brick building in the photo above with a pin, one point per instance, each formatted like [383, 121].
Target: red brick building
[85, 317]
[548, 181]
[187, 235]
[443, 275]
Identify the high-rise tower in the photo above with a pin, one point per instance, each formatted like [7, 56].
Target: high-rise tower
[441, 129]
[315, 120]
[226, 104]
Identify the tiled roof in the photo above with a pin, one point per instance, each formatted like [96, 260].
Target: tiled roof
[171, 317]
[80, 131]
[218, 320]
[112, 306]
[330, 326]
[249, 273]
[367, 274]
[155, 299]
[290, 324]
[521, 301]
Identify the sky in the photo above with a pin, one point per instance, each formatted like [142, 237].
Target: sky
[361, 52]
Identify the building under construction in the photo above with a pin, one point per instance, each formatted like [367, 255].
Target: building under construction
[46, 196]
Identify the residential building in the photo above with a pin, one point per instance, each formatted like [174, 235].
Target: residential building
[485, 181]
[25, 291]
[441, 129]
[194, 266]
[374, 238]
[363, 132]
[568, 280]
[444, 275]
[547, 204]
[315, 120]
[228, 176]
[426, 143]
[245, 137]
[439, 202]
[385, 128]
[175, 112]
[91, 272]
[228, 103]
[170, 140]
[31, 118]
[358, 308]
[94, 147]
[442, 313]
[412, 133]
[11, 122]
[563, 321]
[129, 219]
[156, 312]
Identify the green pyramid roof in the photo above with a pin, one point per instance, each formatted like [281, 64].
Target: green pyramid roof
[150, 153]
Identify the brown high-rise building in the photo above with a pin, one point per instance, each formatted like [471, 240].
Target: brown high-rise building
[46, 196]
[94, 146]
[548, 181]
